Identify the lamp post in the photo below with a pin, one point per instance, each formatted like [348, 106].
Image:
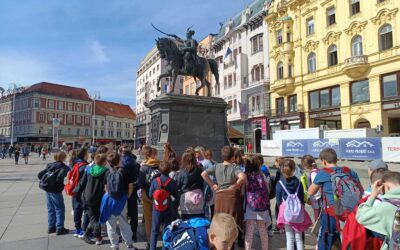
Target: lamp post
[14, 90]
[94, 97]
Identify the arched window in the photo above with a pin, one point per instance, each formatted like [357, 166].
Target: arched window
[356, 46]
[280, 70]
[311, 62]
[332, 55]
[385, 37]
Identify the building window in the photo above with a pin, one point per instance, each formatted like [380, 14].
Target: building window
[102, 133]
[385, 37]
[310, 26]
[95, 122]
[331, 16]
[50, 117]
[102, 123]
[86, 132]
[280, 71]
[41, 117]
[356, 46]
[325, 98]
[311, 62]
[87, 120]
[354, 7]
[360, 91]
[78, 119]
[51, 104]
[60, 105]
[293, 103]
[229, 81]
[78, 131]
[78, 107]
[95, 132]
[280, 106]
[257, 43]
[87, 108]
[279, 37]
[391, 85]
[70, 106]
[36, 103]
[290, 70]
[332, 55]
[69, 118]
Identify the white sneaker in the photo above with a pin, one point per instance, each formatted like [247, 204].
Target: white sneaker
[99, 241]
[114, 247]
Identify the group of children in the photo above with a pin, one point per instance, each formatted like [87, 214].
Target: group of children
[235, 194]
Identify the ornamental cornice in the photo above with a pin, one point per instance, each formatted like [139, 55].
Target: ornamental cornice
[276, 54]
[276, 26]
[308, 11]
[355, 27]
[384, 16]
[363, 110]
[331, 37]
[326, 2]
[311, 46]
[297, 43]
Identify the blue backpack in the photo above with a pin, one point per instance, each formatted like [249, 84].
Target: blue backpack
[116, 184]
[187, 235]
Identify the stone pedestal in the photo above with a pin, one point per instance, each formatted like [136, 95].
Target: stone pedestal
[188, 121]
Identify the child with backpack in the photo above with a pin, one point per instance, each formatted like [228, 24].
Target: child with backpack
[290, 199]
[114, 203]
[384, 218]
[78, 161]
[92, 185]
[163, 191]
[355, 235]
[148, 172]
[308, 162]
[52, 181]
[271, 190]
[257, 203]
[197, 233]
[339, 187]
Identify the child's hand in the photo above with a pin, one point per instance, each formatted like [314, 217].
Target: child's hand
[215, 187]
[234, 186]
[376, 188]
[309, 201]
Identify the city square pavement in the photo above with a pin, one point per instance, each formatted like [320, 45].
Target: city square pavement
[23, 212]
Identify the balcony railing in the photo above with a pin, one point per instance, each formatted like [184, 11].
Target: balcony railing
[356, 60]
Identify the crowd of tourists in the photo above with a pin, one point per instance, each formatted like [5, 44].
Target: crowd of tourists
[203, 204]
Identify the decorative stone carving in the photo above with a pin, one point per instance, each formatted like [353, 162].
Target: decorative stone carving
[363, 110]
[325, 2]
[332, 37]
[297, 43]
[384, 16]
[355, 28]
[308, 11]
[311, 46]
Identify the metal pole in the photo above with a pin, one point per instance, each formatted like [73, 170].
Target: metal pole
[94, 118]
[12, 120]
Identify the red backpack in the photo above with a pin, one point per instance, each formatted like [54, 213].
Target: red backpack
[73, 178]
[356, 236]
[161, 196]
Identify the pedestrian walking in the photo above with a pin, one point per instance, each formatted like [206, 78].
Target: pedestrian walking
[25, 153]
[10, 151]
[44, 152]
[16, 154]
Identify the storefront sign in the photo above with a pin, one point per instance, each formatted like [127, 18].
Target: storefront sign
[294, 147]
[361, 148]
[391, 149]
[316, 146]
[394, 105]
[264, 126]
[271, 147]
[324, 114]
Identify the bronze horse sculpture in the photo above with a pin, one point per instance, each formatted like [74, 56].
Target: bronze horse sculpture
[170, 52]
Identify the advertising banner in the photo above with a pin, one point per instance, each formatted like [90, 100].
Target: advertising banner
[361, 148]
[391, 149]
[296, 148]
[271, 147]
[316, 146]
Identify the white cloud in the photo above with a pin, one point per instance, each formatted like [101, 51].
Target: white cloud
[98, 52]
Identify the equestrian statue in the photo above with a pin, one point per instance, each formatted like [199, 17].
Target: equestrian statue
[182, 59]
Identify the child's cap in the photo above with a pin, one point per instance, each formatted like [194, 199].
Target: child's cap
[377, 164]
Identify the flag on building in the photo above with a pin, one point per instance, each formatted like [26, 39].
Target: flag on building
[228, 52]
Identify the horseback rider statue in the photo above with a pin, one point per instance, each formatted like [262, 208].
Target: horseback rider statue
[181, 57]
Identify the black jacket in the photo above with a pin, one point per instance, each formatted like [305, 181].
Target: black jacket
[92, 188]
[61, 171]
[131, 166]
[188, 181]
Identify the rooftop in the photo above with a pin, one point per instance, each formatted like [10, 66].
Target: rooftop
[114, 109]
[59, 90]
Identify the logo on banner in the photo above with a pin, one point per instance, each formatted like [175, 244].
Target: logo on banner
[359, 144]
[320, 144]
[293, 144]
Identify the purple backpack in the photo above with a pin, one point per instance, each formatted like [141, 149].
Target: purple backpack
[257, 192]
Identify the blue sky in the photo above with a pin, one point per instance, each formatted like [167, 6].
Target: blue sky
[95, 44]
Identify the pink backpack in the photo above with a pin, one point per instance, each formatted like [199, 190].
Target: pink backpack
[257, 192]
[293, 211]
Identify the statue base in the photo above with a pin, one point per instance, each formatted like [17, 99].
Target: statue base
[188, 121]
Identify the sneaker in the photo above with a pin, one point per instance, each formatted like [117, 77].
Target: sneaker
[270, 233]
[62, 231]
[78, 232]
[99, 240]
[86, 239]
[80, 236]
[51, 230]
[131, 247]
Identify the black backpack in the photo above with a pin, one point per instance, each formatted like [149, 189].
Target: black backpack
[48, 180]
[116, 184]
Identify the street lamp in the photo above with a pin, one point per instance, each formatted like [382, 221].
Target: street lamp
[14, 90]
[95, 95]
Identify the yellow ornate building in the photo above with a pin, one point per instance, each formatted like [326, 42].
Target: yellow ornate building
[335, 63]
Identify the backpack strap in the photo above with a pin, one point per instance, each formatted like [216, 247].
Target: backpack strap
[329, 170]
[166, 182]
[346, 170]
[158, 179]
[284, 188]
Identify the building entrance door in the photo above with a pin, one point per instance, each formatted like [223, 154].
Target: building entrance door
[257, 140]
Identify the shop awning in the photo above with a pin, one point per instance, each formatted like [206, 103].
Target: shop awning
[234, 133]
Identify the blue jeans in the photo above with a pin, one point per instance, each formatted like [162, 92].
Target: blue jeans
[327, 235]
[158, 219]
[55, 210]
